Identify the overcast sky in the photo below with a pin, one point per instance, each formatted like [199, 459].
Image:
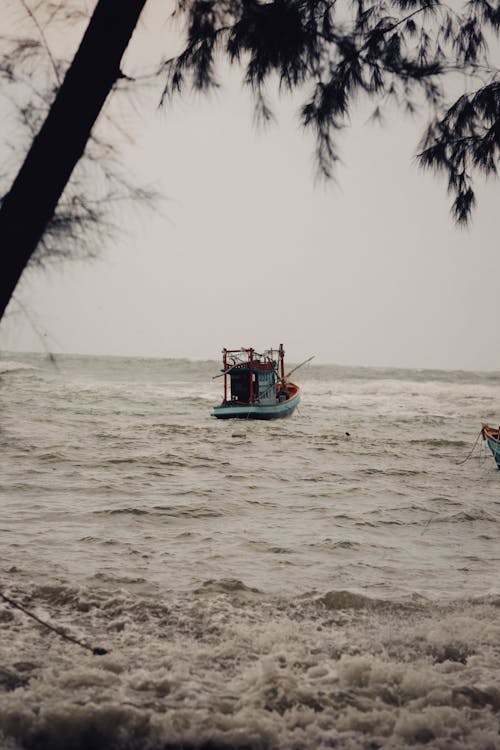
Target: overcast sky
[249, 250]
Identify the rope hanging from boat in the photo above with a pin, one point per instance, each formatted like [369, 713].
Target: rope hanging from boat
[459, 463]
[96, 650]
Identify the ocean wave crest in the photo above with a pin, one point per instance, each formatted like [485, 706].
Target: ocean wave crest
[236, 669]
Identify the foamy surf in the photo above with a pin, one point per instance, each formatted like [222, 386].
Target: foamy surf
[231, 667]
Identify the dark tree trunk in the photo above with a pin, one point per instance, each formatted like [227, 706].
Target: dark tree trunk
[30, 204]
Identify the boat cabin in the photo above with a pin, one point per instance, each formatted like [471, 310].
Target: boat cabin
[255, 385]
[252, 378]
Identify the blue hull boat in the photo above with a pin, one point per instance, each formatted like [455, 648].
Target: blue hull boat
[255, 385]
[492, 437]
[258, 411]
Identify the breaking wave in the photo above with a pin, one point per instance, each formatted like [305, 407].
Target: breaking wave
[228, 666]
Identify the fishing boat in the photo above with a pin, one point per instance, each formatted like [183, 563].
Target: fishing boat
[492, 437]
[256, 386]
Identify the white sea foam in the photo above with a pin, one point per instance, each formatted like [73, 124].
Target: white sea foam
[245, 670]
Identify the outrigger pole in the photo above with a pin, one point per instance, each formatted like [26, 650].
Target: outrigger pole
[285, 377]
[225, 372]
[296, 368]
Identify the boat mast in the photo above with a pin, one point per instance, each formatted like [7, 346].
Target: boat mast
[282, 362]
[250, 359]
[224, 359]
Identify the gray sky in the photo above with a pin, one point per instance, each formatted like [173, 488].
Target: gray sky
[249, 250]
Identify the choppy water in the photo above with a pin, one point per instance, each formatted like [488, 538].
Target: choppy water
[257, 585]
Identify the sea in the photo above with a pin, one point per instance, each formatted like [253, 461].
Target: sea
[170, 581]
